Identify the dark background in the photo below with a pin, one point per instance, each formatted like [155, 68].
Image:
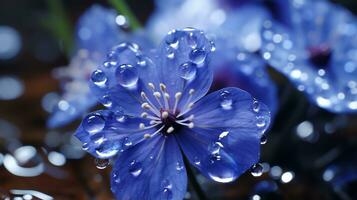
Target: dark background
[42, 51]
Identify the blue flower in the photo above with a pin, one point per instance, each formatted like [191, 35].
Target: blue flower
[96, 33]
[236, 28]
[318, 53]
[158, 112]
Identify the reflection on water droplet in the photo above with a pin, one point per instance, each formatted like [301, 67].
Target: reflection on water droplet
[127, 75]
[226, 101]
[198, 56]
[106, 101]
[93, 123]
[263, 139]
[187, 71]
[257, 170]
[135, 168]
[102, 163]
[98, 77]
[256, 106]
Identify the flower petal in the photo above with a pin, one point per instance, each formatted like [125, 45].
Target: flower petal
[104, 133]
[97, 30]
[183, 63]
[152, 169]
[225, 140]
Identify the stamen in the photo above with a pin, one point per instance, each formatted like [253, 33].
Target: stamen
[188, 105]
[147, 106]
[166, 100]
[153, 134]
[157, 96]
[189, 118]
[147, 136]
[164, 115]
[151, 86]
[163, 87]
[189, 125]
[141, 125]
[144, 115]
[155, 121]
[170, 129]
[178, 96]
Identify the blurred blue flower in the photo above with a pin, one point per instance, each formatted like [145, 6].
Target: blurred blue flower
[318, 53]
[98, 30]
[157, 110]
[236, 28]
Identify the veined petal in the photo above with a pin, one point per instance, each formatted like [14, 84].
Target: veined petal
[150, 170]
[183, 63]
[104, 133]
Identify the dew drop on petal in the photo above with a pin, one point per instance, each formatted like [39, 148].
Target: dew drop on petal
[179, 166]
[261, 122]
[101, 163]
[116, 178]
[226, 101]
[256, 106]
[93, 123]
[127, 142]
[107, 149]
[221, 170]
[106, 101]
[263, 139]
[187, 71]
[197, 160]
[98, 77]
[257, 170]
[127, 75]
[198, 56]
[167, 190]
[135, 168]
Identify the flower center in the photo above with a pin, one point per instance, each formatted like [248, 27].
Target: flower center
[320, 55]
[168, 117]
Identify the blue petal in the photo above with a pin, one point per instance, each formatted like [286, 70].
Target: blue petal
[225, 140]
[97, 30]
[320, 26]
[183, 58]
[248, 72]
[104, 133]
[152, 169]
[76, 99]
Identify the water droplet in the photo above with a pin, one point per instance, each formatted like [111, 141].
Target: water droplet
[263, 139]
[257, 170]
[98, 77]
[221, 170]
[85, 146]
[213, 46]
[226, 102]
[120, 117]
[179, 166]
[94, 123]
[172, 40]
[223, 135]
[187, 71]
[141, 60]
[127, 142]
[215, 148]
[261, 122]
[135, 168]
[127, 75]
[256, 106]
[106, 101]
[167, 191]
[116, 178]
[197, 160]
[198, 56]
[107, 149]
[101, 163]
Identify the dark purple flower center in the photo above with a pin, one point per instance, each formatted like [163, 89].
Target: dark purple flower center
[320, 56]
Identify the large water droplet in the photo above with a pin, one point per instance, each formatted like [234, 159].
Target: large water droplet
[198, 56]
[257, 170]
[107, 149]
[98, 77]
[135, 168]
[221, 170]
[187, 71]
[101, 163]
[127, 75]
[93, 123]
[226, 100]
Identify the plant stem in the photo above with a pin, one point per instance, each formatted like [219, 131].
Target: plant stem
[59, 24]
[196, 186]
[122, 7]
